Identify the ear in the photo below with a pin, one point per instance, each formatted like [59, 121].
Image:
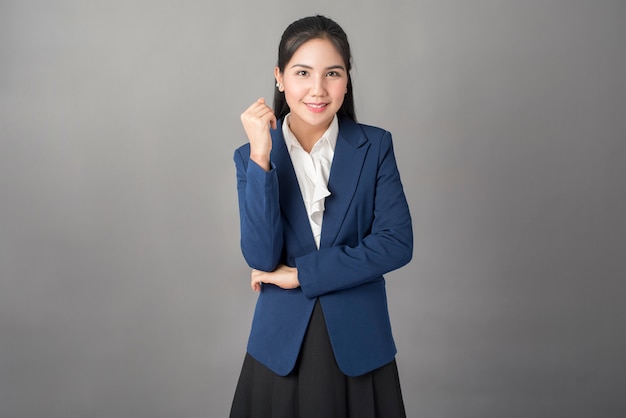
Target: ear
[278, 76]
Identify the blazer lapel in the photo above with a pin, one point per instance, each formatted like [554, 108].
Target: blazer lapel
[291, 202]
[350, 152]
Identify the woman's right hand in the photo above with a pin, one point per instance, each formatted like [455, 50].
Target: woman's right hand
[257, 120]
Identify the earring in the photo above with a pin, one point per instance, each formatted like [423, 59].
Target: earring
[279, 86]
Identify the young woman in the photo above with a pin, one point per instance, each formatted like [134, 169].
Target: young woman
[323, 217]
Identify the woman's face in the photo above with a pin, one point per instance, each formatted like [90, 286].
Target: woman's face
[315, 82]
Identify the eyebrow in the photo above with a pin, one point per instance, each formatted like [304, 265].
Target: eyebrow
[332, 67]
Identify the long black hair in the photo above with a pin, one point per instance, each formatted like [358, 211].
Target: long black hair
[301, 31]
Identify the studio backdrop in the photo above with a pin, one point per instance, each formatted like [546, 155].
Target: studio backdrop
[123, 292]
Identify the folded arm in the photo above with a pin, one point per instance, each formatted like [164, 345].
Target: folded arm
[388, 246]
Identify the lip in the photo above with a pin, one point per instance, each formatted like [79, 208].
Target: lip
[316, 107]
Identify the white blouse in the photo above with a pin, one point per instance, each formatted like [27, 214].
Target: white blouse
[312, 170]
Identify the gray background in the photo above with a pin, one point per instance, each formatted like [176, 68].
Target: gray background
[122, 289]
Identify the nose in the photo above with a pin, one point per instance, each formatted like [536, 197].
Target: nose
[318, 88]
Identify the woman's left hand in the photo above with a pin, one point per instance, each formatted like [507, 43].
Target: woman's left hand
[284, 277]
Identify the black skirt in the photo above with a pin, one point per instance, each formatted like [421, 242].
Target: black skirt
[317, 388]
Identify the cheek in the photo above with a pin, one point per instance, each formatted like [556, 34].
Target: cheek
[339, 88]
[291, 97]
[339, 91]
[294, 92]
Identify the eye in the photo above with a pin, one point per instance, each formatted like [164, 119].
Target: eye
[302, 73]
[333, 74]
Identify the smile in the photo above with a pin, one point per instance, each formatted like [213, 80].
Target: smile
[316, 107]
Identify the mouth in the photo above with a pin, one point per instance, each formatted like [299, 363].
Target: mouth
[316, 107]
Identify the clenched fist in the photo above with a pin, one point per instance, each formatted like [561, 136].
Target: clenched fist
[257, 121]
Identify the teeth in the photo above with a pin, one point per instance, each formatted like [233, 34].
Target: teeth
[317, 106]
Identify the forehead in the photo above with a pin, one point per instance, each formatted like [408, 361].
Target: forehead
[320, 51]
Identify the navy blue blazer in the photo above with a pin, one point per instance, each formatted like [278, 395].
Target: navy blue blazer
[366, 232]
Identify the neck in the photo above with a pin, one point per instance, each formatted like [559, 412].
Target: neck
[307, 135]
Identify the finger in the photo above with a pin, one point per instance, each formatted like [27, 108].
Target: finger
[255, 280]
[258, 112]
[265, 113]
[265, 117]
[259, 104]
[273, 123]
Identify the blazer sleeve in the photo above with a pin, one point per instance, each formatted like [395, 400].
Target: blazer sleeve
[387, 247]
[259, 213]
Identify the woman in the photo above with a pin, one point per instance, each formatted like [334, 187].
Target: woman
[323, 216]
